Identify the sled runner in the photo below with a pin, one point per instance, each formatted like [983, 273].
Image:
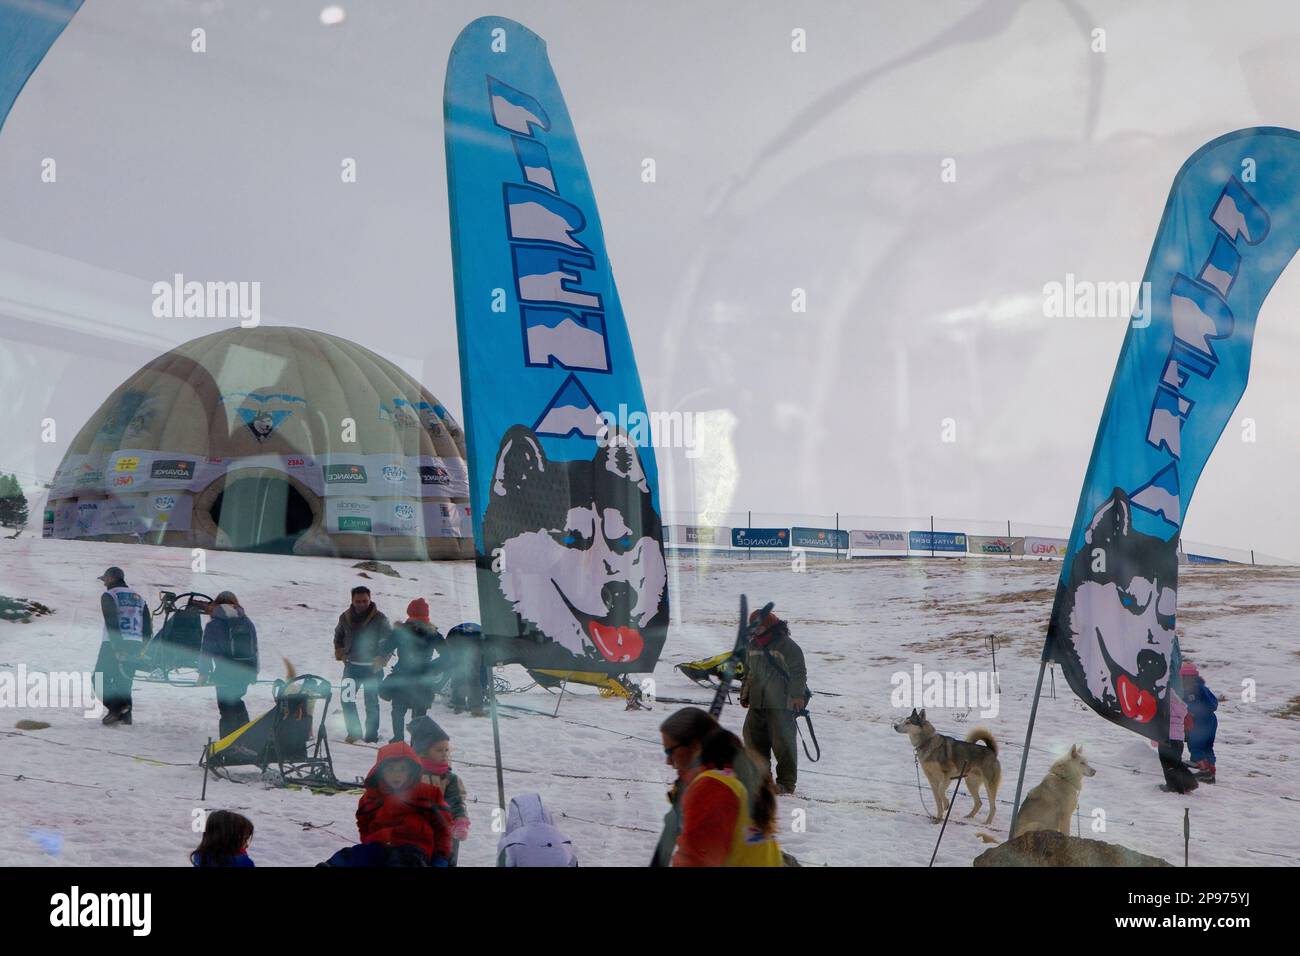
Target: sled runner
[289, 738]
[176, 644]
[610, 685]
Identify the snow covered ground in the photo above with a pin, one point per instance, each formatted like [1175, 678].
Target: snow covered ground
[82, 794]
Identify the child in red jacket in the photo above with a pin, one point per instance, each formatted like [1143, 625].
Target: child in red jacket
[397, 810]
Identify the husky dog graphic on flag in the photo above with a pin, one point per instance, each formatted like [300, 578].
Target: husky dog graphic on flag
[571, 569]
[1231, 225]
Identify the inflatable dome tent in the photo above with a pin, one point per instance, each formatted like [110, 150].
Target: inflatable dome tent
[239, 440]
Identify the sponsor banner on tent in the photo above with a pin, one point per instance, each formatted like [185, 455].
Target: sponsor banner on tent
[77, 475]
[994, 544]
[404, 518]
[567, 526]
[302, 468]
[1045, 548]
[124, 514]
[1205, 559]
[386, 517]
[375, 476]
[878, 540]
[443, 477]
[1224, 239]
[760, 537]
[936, 541]
[66, 520]
[349, 515]
[819, 538]
[380, 476]
[446, 520]
[137, 469]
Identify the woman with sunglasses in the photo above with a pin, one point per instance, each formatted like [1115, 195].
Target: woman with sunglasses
[728, 814]
[683, 736]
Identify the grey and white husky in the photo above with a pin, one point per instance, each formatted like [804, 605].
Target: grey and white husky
[944, 758]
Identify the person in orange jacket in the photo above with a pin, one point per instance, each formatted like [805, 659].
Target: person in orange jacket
[718, 827]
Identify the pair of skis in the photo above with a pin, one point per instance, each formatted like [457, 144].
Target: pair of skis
[728, 670]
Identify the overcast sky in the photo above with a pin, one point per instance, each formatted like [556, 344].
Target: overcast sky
[775, 170]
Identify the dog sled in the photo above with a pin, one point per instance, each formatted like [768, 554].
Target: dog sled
[609, 685]
[708, 672]
[174, 648]
[289, 739]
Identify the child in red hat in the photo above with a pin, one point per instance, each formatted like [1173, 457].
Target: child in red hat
[410, 685]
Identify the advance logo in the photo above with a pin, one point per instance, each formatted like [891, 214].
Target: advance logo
[103, 909]
[760, 537]
[346, 474]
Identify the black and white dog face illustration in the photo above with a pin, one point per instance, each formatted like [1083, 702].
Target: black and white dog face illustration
[1115, 627]
[576, 547]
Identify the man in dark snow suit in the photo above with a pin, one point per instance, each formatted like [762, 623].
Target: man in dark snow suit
[127, 625]
[774, 689]
[410, 686]
[359, 637]
[228, 659]
[465, 660]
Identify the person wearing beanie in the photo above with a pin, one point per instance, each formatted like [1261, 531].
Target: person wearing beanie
[432, 745]
[773, 690]
[127, 628]
[1202, 723]
[410, 685]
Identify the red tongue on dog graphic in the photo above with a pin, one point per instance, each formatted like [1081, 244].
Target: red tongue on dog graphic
[617, 644]
[1136, 703]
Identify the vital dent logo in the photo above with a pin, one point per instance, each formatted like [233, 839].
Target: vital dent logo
[563, 325]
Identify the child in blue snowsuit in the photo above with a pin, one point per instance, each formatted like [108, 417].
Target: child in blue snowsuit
[1203, 724]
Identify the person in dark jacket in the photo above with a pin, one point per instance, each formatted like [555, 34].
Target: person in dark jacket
[359, 636]
[410, 685]
[432, 745]
[465, 661]
[226, 838]
[1202, 723]
[774, 689]
[128, 625]
[399, 810]
[228, 659]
